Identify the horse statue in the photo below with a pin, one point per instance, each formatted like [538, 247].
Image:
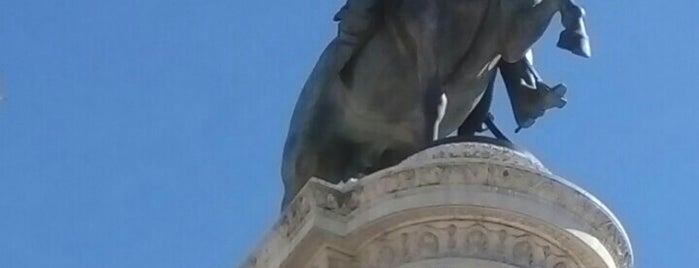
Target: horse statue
[403, 73]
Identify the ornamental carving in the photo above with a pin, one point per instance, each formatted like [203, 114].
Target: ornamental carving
[489, 152]
[463, 239]
[295, 216]
[480, 167]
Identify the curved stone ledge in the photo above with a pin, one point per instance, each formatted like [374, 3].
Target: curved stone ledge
[444, 207]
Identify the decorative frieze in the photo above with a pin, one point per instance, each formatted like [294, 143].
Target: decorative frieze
[463, 239]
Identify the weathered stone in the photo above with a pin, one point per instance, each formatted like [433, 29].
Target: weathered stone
[455, 205]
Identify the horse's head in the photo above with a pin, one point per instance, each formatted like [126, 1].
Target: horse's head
[524, 23]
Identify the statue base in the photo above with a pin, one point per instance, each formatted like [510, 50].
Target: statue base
[467, 204]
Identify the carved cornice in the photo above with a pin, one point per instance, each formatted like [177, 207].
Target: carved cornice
[473, 167]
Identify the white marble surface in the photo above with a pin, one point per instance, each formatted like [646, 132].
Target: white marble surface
[455, 205]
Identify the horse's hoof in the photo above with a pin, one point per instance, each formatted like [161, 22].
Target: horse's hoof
[576, 42]
[525, 124]
[551, 97]
[558, 96]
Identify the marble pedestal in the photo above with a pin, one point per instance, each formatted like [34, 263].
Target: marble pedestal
[455, 205]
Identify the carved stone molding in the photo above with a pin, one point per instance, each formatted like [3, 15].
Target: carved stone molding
[468, 200]
[464, 239]
[473, 150]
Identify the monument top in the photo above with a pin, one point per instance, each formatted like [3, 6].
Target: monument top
[447, 206]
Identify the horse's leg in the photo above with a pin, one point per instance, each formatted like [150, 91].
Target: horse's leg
[440, 111]
[315, 117]
[423, 133]
[574, 38]
[529, 95]
[474, 122]
[523, 25]
[305, 141]
[435, 104]
[297, 169]
[331, 159]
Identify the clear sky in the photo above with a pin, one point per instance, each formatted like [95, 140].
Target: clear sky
[148, 133]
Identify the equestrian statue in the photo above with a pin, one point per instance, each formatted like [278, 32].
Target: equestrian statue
[402, 74]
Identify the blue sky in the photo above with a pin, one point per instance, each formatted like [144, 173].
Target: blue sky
[149, 133]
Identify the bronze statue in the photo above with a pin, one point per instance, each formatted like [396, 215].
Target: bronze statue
[403, 73]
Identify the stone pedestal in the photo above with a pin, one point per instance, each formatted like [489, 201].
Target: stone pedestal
[456, 205]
